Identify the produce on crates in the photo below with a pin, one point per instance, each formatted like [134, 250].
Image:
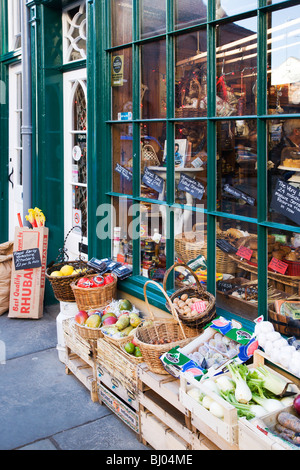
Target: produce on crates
[288, 427]
[120, 319]
[130, 348]
[68, 270]
[277, 347]
[253, 392]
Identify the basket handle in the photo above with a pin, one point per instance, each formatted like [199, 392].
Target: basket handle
[186, 267]
[173, 310]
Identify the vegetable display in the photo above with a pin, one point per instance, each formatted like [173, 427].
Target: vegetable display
[288, 427]
[253, 392]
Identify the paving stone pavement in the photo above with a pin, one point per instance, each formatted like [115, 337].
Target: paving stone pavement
[43, 408]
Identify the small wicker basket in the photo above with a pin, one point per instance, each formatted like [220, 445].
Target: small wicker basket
[61, 285]
[94, 297]
[87, 332]
[168, 333]
[197, 320]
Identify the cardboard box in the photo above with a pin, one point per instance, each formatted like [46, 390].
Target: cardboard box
[28, 285]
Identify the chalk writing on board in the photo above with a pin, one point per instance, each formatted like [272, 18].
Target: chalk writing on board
[27, 259]
[123, 172]
[239, 194]
[191, 186]
[153, 181]
[286, 200]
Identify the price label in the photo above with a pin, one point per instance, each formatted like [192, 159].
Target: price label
[244, 252]
[278, 266]
[199, 306]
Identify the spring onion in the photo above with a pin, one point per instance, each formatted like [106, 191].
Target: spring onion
[242, 392]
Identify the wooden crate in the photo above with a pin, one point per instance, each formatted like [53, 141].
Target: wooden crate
[258, 435]
[128, 415]
[170, 421]
[224, 433]
[83, 371]
[86, 349]
[117, 371]
[104, 377]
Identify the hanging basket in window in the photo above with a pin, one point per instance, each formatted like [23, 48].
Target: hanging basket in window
[61, 285]
[149, 157]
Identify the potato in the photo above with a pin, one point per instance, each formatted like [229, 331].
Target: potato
[176, 300]
[184, 297]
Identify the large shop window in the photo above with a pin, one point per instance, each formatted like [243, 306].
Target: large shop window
[205, 136]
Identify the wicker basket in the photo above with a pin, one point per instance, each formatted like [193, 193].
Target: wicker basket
[61, 285]
[87, 332]
[198, 320]
[190, 245]
[94, 297]
[131, 357]
[118, 342]
[149, 157]
[162, 330]
[286, 326]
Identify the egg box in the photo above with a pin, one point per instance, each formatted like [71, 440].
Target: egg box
[222, 341]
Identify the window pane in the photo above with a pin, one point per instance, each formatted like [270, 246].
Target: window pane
[79, 161]
[153, 17]
[121, 82]
[153, 80]
[229, 7]
[190, 163]
[79, 204]
[284, 61]
[153, 241]
[121, 230]
[190, 236]
[75, 33]
[236, 167]
[190, 12]
[122, 158]
[283, 281]
[121, 22]
[237, 68]
[283, 171]
[153, 173]
[236, 281]
[191, 75]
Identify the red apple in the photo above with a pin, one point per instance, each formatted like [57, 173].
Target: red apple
[109, 321]
[81, 317]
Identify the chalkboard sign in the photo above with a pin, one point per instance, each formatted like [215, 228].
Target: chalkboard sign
[153, 181]
[236, 193]
[124, 172]
[27, 259]
[225, 246]
[286, 200]
[191, 186]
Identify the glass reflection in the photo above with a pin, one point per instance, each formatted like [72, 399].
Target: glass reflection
[121, 22]
[237, 68]
[233, 7]
[121, 231]
[122, 158]
[191, 75]
[153, 17]
[121, 83]
[153, 172]
[236, 167]
[284, 61]
[190, 12]
[153, 80]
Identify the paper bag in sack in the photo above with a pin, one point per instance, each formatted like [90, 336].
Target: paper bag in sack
[28, 285]
[6, 250]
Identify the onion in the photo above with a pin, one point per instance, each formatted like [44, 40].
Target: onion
[296, 404]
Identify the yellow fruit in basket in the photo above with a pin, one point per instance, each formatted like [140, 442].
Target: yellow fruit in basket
[56, 273]
[94, 321]
[135, 320]
[67, 270]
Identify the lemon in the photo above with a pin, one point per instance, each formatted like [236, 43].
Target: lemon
[56, 273]
[67, 270]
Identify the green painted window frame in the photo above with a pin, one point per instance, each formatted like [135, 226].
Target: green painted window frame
[135, 284]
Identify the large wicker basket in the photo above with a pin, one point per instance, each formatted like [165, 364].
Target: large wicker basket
[285, 325]
[87, 332]
[61, 285]
[94, 297]
[167, 333]
[190, 245]
[197, 320]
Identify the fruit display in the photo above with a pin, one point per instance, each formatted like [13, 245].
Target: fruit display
[189, 306]
[132, 349]
[96, 281]
[68, 270]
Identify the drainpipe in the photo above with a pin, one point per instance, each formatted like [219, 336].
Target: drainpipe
[26, 129]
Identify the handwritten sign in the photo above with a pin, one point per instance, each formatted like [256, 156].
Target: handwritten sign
[286, 200]
[244, 252]
[153, 181]
[191, 186]
[236, 193]
[123, 172]
[225, 246]
[27, 259]
[278, 265]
